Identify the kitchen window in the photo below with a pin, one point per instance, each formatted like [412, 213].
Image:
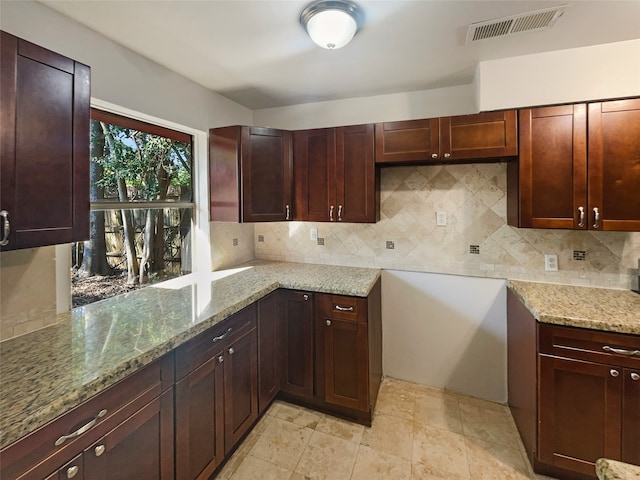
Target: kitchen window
[142, 208]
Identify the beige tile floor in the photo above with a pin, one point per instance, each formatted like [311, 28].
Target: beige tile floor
[418, 433]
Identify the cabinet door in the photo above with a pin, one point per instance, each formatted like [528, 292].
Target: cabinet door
[297, 343]
[200, 421]
[579, 413]
[266, 175]
[141, 447]
[44, 145]
[314, 172]
[407, 141]
[356, 175]
[240, 388]
[552, 168]
[631, 416]
[72, 469]
[268, 349]
[614, 165]
[346, 373]
[483, 135]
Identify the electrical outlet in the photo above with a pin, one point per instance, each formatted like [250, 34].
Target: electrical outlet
[441, 218]
[551, 262]
[314, 234]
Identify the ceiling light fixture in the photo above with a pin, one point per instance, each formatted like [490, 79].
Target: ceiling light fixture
[331, 23]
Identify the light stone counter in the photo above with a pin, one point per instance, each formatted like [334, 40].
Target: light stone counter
[47, 372]
[613, 470]
[585, 307]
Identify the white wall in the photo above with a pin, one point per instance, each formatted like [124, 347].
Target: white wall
[439, 102]
[446, 331]
[563, 76]
[119, 75]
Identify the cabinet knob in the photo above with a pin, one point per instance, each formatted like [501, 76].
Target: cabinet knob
[220, 359]
[305, 297]
[328, 322]
[231, 351]
[635, 376]
[581, 212]
[72, 471]
[6, 227]
[99, 450]
[614, 373]
[434, 155]
[447, 155]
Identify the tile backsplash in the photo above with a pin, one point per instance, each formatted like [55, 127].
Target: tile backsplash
[476, 240]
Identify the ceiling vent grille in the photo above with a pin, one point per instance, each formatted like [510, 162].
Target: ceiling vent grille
[524, 22]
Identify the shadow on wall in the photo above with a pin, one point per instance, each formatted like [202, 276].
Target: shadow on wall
[446, 331]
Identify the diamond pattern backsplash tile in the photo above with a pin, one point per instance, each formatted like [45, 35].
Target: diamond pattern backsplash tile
[474, 198]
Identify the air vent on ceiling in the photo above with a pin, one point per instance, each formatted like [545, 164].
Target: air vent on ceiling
[524, 22]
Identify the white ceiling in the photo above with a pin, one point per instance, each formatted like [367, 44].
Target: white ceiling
[256, 53]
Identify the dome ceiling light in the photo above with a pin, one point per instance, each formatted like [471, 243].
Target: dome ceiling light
[331, 23]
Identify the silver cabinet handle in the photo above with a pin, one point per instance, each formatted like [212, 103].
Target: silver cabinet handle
[596, 217]
[622, 351]
[344, 309]
[331, 213]
[231, 351]
[614, 373]
[83, 429]
[305, 297]
[581, 211]
[447, 155]
[99, 450]
[6, 227]
[220, 359]
[72, 471]
[288, 212]
[434, 155]
[339, 213]
[635, 376]
[224, 335]
[328, 322]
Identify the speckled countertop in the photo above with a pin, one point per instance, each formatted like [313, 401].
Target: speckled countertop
[47, 372]
[586, 307]
[612, 470]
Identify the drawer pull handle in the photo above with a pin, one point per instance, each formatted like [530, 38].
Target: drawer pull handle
[5, 220]
[622, 351]
[635, 376]
[99, 450]
[344, 309]
[220, 337]
[72, 471]
[83, 429]
[614, 373]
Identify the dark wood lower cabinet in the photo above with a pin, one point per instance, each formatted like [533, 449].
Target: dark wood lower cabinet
[268, 349]
[572, 399]
[296, 367]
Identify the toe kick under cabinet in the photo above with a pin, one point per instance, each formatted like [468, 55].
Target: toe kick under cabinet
[574, 394]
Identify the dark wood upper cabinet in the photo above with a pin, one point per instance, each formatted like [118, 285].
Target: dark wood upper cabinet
[250, 172]
[44, 146]
[436, 140]
[335, 178]
[579, 167]
[614, 165]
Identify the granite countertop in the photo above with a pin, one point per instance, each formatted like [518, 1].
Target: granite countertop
[613, 470]
[47, 372]
[586, 307]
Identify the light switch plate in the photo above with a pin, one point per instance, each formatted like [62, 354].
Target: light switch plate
[441, 218]
[550, 262]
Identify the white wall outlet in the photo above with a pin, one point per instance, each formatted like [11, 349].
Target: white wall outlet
[314, 234]
[441, 218]
[550, 262]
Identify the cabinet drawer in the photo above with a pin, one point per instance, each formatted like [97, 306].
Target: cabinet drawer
[36, 455]
[591, 345]
[344, 307]
[201, 348]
